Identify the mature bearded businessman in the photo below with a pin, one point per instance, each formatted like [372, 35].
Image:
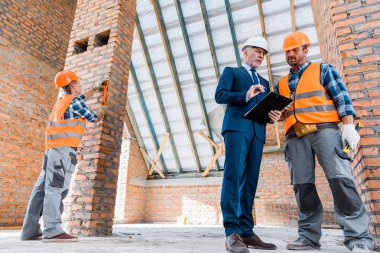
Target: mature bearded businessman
[242, 88]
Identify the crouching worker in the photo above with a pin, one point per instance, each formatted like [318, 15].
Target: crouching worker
[65, 128]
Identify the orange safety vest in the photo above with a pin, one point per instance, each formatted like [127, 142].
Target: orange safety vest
[63, 132]
[312, 105]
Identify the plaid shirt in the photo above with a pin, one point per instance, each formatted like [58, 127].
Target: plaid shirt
[333, 85]
[78, 109]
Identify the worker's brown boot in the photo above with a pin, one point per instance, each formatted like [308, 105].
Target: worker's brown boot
[300, 244]
[234, 244]
[255, 242]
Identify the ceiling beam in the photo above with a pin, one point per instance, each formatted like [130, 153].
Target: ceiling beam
[136, 129]
[233, 33]
[210, 39]
[141, 99]
[293, 16]
[264, 33]
[148, 63]
[177, 85]
[195, 73]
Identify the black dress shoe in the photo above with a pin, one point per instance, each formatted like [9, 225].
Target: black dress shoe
[255, 242]
[234, 244]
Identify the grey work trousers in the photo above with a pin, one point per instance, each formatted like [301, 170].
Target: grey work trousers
[51, 188]
[350, 213]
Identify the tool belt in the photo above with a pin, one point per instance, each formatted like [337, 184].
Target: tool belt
[300, 129]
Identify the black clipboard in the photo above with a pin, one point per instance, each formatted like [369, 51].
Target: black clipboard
[272, 101]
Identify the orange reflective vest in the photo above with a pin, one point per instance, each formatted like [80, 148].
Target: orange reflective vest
[311, 102]
[63, 132]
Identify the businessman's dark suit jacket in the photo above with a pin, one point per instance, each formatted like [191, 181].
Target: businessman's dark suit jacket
[232, 90]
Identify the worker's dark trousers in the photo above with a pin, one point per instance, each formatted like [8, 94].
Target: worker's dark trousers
[51, 188]
[349, 210]
[241, 174]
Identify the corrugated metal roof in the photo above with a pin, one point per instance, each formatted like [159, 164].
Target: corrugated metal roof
[246, 22]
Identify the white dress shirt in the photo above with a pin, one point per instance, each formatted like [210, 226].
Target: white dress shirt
[248, 68]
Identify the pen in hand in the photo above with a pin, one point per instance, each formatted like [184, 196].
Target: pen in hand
[255, 90]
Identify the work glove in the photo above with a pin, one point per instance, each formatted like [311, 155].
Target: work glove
[103, 110]
[350, 136]
[100, 86]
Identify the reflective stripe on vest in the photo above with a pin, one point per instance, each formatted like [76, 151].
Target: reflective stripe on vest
[56, 124]
[62, 136]
[311, 102]
[316, 93]
[318, 108]
[60, 132]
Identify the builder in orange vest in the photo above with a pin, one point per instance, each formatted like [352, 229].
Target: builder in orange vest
[321, 101]
[66, 126]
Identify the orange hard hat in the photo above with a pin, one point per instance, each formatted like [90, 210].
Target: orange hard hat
[65, 77]
[294, 40]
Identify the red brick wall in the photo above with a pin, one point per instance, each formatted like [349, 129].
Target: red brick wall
[93, 192]
[33, 42]
[275, 203]
[329, 45]
[39, 28]
[354, 27]
[198, 199]
[135, 208]
[187, 201]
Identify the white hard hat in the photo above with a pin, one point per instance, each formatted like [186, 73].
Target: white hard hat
[257, 41]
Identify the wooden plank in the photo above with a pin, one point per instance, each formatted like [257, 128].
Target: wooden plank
[152, 163]
[293, 15]
[264, 33]
[141, 99]
[216, 156]
[177, 85]
[210, 39]
[233, 33]
[195, 73]
[219, 152]
[148, 63]
[136, 129]
[166, 137]
[208, 139]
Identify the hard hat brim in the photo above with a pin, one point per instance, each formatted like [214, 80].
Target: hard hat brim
[292, 47]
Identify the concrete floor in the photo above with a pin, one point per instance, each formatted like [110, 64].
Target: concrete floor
[164, 238]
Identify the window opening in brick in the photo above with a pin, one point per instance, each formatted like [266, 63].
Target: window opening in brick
[80, 46]
[101, 39]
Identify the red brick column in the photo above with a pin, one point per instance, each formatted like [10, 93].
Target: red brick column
[349, 31]
[33, 43]
[100, 48]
